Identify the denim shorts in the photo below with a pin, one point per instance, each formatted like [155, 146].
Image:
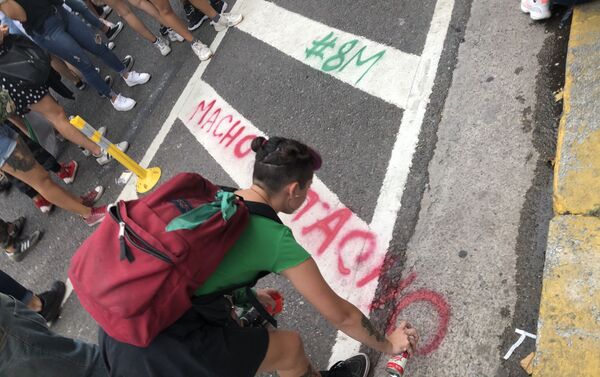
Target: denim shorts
[8, 142]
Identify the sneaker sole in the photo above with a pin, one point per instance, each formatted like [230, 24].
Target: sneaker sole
[95, 222]
[126, 108]
[119, 28]
[537, 17]
[138, 83]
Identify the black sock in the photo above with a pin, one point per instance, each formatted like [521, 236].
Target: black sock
[216, 18]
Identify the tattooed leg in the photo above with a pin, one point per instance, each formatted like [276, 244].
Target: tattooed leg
[22, 165]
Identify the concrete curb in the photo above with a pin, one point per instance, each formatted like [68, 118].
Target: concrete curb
[568, 341]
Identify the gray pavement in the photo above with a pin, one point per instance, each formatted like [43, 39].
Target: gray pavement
[476, 204]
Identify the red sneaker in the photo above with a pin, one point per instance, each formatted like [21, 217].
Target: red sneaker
[92, 197]
[42, 204]
[96, 216]
[68, 171]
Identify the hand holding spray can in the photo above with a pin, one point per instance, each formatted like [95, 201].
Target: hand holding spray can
[396, 365]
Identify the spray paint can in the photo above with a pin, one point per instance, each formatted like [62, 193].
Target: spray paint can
[396, 365]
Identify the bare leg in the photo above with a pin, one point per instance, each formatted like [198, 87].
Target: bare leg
[147, 7]
[205, 7]
[92, 7]
[60, 67]
[124, 11]
[286, 355]
[35, 304]
[170, 19]
[22, 165]
[73, 70]
[56, 115]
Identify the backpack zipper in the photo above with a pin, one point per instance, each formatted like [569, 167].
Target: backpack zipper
[125, 233]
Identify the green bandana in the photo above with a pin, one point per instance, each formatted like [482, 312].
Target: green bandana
[7, 106]
[225, 203]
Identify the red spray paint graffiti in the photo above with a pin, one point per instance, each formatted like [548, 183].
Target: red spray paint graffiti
[436, 300]
[329, 227]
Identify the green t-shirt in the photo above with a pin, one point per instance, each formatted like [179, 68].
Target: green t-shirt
[265, 245]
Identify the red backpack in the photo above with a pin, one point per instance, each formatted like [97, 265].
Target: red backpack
[134, 277]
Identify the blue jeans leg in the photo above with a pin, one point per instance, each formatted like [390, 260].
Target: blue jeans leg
[29, 349]
[79, 7]
[67, 36]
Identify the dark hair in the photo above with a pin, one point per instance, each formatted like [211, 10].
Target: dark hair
[280, 161]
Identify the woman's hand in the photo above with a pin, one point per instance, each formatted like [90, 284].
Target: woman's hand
[264, 297]
[404, 339]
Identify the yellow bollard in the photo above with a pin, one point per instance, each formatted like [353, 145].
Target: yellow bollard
[147, 178]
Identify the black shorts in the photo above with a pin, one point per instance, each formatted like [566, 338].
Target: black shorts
[192, 346]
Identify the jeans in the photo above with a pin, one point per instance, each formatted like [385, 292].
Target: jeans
[79, 7]
[11, 287]
[29, 349]
[67, 36]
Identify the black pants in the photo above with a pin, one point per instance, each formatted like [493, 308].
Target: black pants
[43, 157]
[11, 287]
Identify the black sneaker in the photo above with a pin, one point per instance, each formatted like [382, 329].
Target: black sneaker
[114, 30]
[5, 184]
[219, 5]
[164, 31]
[18, 226]
[23, 245]
[108, 80]
[356, 366]
[103, 11]
[81, 85]
[128, 62]
[194, 17]
[52, 300]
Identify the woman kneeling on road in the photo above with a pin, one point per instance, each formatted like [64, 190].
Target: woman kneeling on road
[196, 346]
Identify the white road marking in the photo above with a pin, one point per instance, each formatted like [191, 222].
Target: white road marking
[389, 201]
[415, 100]
[390, 78]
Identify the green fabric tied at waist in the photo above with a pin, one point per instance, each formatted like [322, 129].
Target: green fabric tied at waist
[225, 203]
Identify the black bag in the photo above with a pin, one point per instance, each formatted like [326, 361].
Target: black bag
[24, 60]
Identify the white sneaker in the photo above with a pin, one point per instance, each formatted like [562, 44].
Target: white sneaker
[122, 103]
[134, 78]
[173, 36]
[163, 46]
[537, 9]
[105, 158]
[202, 50]
[227, 20]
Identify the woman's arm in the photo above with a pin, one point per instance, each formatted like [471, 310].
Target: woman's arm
[309, 282]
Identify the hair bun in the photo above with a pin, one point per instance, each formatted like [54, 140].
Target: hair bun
[258, 143]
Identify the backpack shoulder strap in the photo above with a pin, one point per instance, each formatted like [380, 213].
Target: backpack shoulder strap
[263, 210]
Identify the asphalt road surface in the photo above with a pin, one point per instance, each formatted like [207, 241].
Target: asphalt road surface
[435, 119]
